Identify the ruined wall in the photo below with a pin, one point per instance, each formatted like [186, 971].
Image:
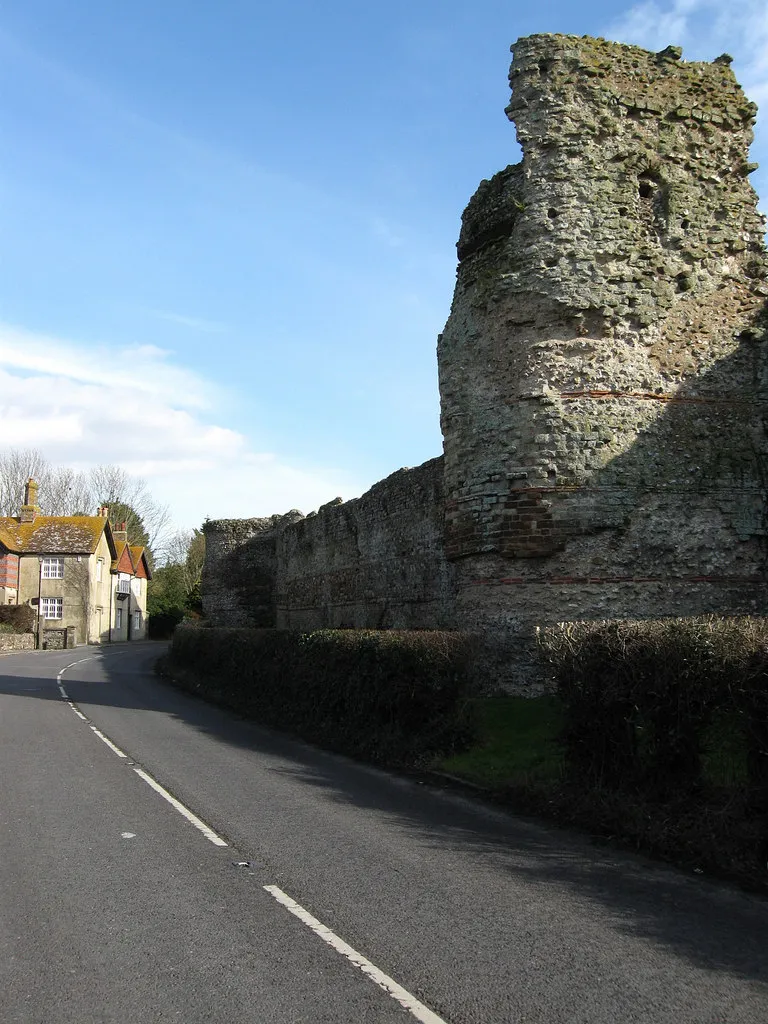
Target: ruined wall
[377, 561]
[602, 377]
[238, 584]
[602, 372]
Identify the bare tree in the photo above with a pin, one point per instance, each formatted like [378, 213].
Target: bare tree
[115, 488]
[186, 549]
[80, 583]
[65, 492]
[17, 465]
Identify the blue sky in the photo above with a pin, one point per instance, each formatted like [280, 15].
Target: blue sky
[228, 230]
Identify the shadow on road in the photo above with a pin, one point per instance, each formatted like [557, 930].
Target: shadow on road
[714, 927]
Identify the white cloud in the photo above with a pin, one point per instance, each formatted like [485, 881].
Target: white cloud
[144, 369]
[82, 406]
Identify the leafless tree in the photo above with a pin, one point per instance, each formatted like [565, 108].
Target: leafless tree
[17, 465]
[65, 492]
[186, 549]
[112, 486]
[80, 583]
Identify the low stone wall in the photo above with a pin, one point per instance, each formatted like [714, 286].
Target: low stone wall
[17, 642]
[375, 562]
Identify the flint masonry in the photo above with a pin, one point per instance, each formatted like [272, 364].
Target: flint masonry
[602, 379]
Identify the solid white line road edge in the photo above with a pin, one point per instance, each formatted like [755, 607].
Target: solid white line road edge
[185, 812]
[401, 995]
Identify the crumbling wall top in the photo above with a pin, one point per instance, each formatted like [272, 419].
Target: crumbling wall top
[634, 181]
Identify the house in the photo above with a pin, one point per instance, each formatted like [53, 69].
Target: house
[131, 573]
[86, 582]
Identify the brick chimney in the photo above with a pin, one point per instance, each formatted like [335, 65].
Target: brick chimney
[102, 511]
[120, 531]
[30, 508]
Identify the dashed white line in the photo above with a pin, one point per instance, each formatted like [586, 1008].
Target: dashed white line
[185, 812]
[108, 741]
[411, 1003]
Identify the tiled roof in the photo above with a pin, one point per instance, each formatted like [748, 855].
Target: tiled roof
[52, 535]
[138, 554]
[122, 562]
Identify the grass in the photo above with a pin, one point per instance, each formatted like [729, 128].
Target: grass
[516, 759]
[516, 743]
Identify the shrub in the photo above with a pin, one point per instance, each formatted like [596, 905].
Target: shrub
[640, 697]
[388, 696]
[160, 625]
[20, 617]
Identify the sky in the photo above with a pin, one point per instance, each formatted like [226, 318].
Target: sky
[227, 231]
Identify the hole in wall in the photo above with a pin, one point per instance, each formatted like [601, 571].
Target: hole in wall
[684, 282]
[645, 189]
[685, 224]
[552, 213]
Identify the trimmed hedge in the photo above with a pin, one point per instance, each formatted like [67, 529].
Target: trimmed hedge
[20, 617]
[160, 625]
[666, 735]
[642, 698]
[394, 697]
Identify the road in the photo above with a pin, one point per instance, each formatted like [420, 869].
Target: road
[285, 885]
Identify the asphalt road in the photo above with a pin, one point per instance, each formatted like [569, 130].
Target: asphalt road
[116, 907]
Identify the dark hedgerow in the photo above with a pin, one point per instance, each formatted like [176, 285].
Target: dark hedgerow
[387, 696]
[666, 734]
[20, 617]
[641, 697]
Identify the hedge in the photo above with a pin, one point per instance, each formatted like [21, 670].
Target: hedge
[394, 697]
[642, 697]
[20, 617]
[666, 736]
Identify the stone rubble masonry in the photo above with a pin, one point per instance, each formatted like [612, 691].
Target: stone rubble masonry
[602, 380]
[602, 371]
[17, 641]
[377, 561]
[238, 584]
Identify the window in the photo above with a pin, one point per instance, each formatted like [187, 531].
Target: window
[99, 569]
[53, 568]
[51, 607]
[137, 621]
[119, 618]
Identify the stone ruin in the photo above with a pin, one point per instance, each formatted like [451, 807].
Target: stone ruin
[602, 380]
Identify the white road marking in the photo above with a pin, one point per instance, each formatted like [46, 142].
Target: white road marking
[128, 835]
[108, 741]
[401, 995]
[207, 831]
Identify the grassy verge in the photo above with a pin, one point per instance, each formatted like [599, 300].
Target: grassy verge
[517, 760]
[516, 743]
